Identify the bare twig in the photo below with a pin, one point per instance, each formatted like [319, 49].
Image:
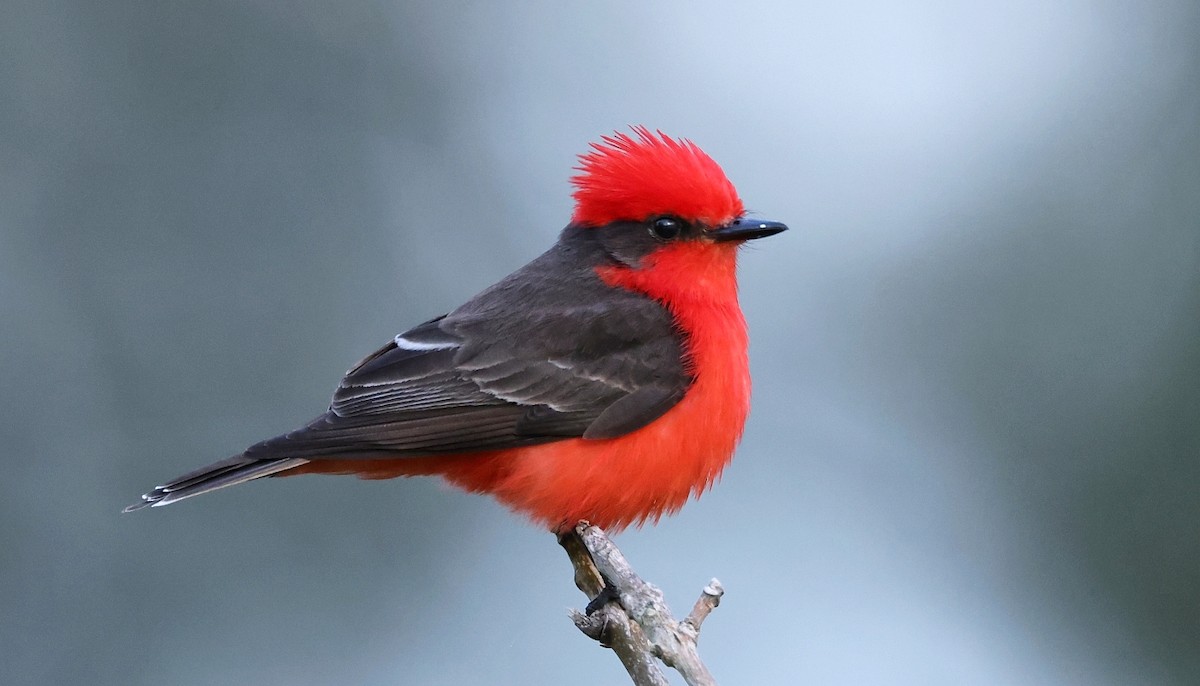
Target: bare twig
[708, 601]
[610, 625]
[640, 627]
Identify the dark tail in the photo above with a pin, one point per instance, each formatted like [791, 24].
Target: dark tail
[230, 472]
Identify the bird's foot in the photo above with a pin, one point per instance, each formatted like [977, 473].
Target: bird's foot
[606, 595]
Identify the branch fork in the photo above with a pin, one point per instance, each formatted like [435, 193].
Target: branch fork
[640, 627]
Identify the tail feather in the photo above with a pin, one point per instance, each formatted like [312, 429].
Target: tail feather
[230, 472]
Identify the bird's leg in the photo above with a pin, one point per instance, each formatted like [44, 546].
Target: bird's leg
[608, 593]
[588, 578]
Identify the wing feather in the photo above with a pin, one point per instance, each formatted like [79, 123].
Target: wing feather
[550, 352]
[579, 355]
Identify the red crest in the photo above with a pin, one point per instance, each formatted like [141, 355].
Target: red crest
[628, 178]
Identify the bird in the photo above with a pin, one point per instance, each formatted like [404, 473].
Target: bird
[605, 381]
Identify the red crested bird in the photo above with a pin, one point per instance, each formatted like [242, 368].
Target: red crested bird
[606, 380]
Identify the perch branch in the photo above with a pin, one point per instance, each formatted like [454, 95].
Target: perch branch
[640, 627]
[609, 624]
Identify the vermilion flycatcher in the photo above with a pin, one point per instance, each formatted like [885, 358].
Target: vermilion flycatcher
[606, 380]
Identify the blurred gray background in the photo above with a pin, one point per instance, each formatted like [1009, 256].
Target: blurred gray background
[973, 456]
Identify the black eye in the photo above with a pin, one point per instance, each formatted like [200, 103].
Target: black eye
[666, 228]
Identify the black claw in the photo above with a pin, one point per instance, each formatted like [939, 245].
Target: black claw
[607, 594]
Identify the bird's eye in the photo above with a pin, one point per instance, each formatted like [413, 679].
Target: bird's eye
[666, 228]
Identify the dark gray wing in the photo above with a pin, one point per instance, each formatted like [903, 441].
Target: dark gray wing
[549, 353]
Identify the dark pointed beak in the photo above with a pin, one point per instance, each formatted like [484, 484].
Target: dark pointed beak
[746, 229]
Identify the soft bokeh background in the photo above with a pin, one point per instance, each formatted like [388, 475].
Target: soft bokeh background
[974, 456]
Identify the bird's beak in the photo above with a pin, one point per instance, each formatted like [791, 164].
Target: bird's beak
[745, 229]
